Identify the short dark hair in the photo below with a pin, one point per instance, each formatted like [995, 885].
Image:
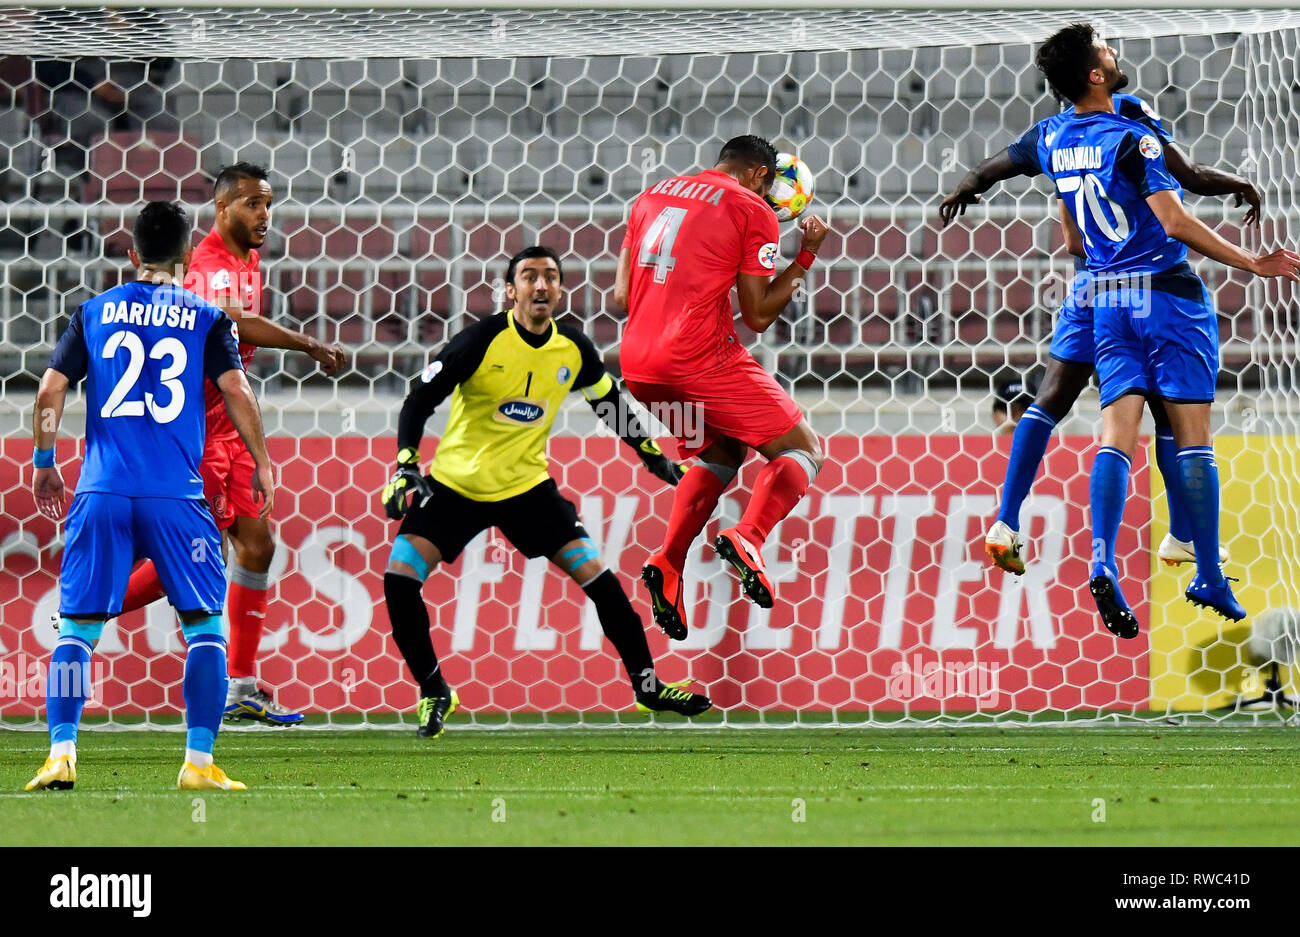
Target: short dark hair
[528, 253]
[230, 176]
[750, 150]
[1066, 58]
[162, 233]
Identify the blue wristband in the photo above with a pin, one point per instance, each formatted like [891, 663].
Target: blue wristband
[44, 458]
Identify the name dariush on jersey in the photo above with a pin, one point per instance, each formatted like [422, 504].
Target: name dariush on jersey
[1076, 157]
[176, 317]
[685, 188]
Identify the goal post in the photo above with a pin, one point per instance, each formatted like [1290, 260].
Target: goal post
[413, 150]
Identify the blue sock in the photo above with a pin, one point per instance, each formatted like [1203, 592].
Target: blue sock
[1200, 474]
[1180, 527]
[1028, 446]
[1107, 491]
[205, 683]
[67, 684]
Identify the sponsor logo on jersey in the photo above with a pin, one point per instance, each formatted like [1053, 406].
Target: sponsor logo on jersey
[1146, 109]
[767, 256]
[1149, 147]
[431, 371]
[562, 375]
[520, 410]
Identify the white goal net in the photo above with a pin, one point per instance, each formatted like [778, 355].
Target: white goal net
[412, 152]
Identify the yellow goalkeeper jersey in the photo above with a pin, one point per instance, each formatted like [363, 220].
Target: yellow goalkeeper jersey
[506, 386]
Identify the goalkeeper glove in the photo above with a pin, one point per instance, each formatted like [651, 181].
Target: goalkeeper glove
[405, 480]
[658, 464]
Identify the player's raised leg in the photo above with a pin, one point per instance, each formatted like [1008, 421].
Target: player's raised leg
[694, 501]
[1108, 490]
[1177, 547]
[795, 458]
[1200, 477]
[1064, 381]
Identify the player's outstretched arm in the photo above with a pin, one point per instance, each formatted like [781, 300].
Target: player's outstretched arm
[241, 404]
[762, 299]
[995, 169]
[47, 483]
[1200, 179]
[259, 331]
[1183, 226]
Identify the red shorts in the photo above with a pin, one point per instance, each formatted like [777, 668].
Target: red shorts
[227, 469]
[739, 400]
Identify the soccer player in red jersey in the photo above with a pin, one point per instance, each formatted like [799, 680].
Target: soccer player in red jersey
[225, 271]
[689, 240]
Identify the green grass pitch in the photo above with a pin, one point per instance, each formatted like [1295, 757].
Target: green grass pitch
[1160, 786]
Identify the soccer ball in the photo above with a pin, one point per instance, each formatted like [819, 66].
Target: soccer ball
[792, 189]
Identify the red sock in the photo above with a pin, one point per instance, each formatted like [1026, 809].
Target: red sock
[143, 588]
[247, 610]
[696, 496]
[778, 489]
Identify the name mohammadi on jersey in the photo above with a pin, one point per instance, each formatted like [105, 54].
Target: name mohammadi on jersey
[506, 386]
[218, 275]
[145, 352]
[690, 237]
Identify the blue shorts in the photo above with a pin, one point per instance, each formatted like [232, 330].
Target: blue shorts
[105, 534]
[1160, 339]
[1072, 337]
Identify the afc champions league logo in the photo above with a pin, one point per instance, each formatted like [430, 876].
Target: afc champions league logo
[767, 256]
[1149, 147]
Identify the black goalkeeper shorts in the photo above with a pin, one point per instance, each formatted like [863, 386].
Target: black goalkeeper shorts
[538, 522]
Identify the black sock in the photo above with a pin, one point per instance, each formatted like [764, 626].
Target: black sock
[622, 626]
[410, 622]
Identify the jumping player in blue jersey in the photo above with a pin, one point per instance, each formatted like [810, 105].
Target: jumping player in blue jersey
[1154, 325]
[144, 349]
[1072, 354]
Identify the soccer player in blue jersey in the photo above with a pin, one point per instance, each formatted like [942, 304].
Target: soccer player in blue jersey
[1072, 353]
[1154, 326]
[144, 349]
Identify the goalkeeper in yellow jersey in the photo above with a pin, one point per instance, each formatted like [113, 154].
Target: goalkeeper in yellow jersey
[507, 376]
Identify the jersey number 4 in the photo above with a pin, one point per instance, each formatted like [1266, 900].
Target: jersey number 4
[1088, 198]
[118, 405]
[657, 243]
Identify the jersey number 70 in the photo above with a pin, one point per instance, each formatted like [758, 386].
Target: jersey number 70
[1088, 191]
[657, 243]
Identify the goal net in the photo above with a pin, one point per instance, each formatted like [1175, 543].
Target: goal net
[412, 152]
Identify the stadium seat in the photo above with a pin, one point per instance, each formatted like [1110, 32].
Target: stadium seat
[129, 167]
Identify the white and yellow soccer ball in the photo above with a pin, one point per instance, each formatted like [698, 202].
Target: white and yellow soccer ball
[792, 189]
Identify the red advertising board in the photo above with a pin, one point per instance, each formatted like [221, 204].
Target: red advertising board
[884, 598]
